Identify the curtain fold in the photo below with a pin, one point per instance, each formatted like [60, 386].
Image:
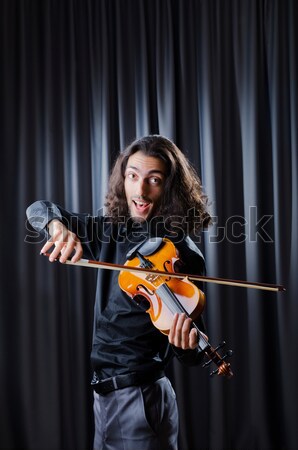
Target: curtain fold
[81, 79]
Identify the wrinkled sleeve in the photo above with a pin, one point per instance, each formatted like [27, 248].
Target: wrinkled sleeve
[40, 213]
[87, 228]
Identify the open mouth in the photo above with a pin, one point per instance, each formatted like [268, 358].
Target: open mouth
[141, 205]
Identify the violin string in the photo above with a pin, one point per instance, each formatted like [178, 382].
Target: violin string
[170, 297]
[210, 352]
[170, 300]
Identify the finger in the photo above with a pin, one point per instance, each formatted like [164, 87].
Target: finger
[47, 246]
[178, 330]
[78, 252]
[56, 252]
[53, 239]
[193, 338]
[185, 332]
[173, 329]
[67, 249]
[57, 249]
[72, 244]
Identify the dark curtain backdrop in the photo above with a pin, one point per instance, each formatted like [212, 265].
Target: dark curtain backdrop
[80, 80]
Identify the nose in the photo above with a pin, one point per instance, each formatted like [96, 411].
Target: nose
[141, 188]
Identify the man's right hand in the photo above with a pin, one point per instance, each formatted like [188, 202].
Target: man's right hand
[65, 243]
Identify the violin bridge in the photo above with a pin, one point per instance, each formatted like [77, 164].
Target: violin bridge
[152, 278]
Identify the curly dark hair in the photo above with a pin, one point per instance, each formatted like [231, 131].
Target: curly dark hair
[183, 200]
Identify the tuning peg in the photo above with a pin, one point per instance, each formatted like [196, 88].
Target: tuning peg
[221, 345]
[229, 354]
[207, 363]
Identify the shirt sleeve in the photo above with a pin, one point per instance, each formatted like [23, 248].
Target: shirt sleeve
[87, 228]
[40, 213]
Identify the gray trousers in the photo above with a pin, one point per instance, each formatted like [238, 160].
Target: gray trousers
[137, 418]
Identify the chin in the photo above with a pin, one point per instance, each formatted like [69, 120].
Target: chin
[138, 218]
[135, 215]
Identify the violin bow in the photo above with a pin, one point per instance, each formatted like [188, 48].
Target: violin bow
[225, 281]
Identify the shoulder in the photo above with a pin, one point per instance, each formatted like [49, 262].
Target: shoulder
[191, 256]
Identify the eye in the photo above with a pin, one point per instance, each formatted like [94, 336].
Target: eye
[155, 181]
[131, 175]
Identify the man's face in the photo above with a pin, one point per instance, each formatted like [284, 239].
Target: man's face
[144, 184]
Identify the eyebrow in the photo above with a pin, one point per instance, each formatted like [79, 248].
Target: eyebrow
[150, 171]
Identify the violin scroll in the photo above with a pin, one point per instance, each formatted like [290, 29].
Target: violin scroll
[223, 368]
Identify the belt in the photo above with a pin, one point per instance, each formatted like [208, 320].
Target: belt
[122, 381]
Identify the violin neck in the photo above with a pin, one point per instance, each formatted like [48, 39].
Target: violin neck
[203, 344]
[173, 304]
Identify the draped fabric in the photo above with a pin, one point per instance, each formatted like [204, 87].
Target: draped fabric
[79, 80]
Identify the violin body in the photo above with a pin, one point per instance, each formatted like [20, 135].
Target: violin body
[161, 307]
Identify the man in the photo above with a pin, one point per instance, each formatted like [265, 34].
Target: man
[153, 192]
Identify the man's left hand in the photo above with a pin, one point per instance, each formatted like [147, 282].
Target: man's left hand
[181, 334]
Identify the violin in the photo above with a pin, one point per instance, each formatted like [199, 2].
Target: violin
[167, 295]
[149, 272]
